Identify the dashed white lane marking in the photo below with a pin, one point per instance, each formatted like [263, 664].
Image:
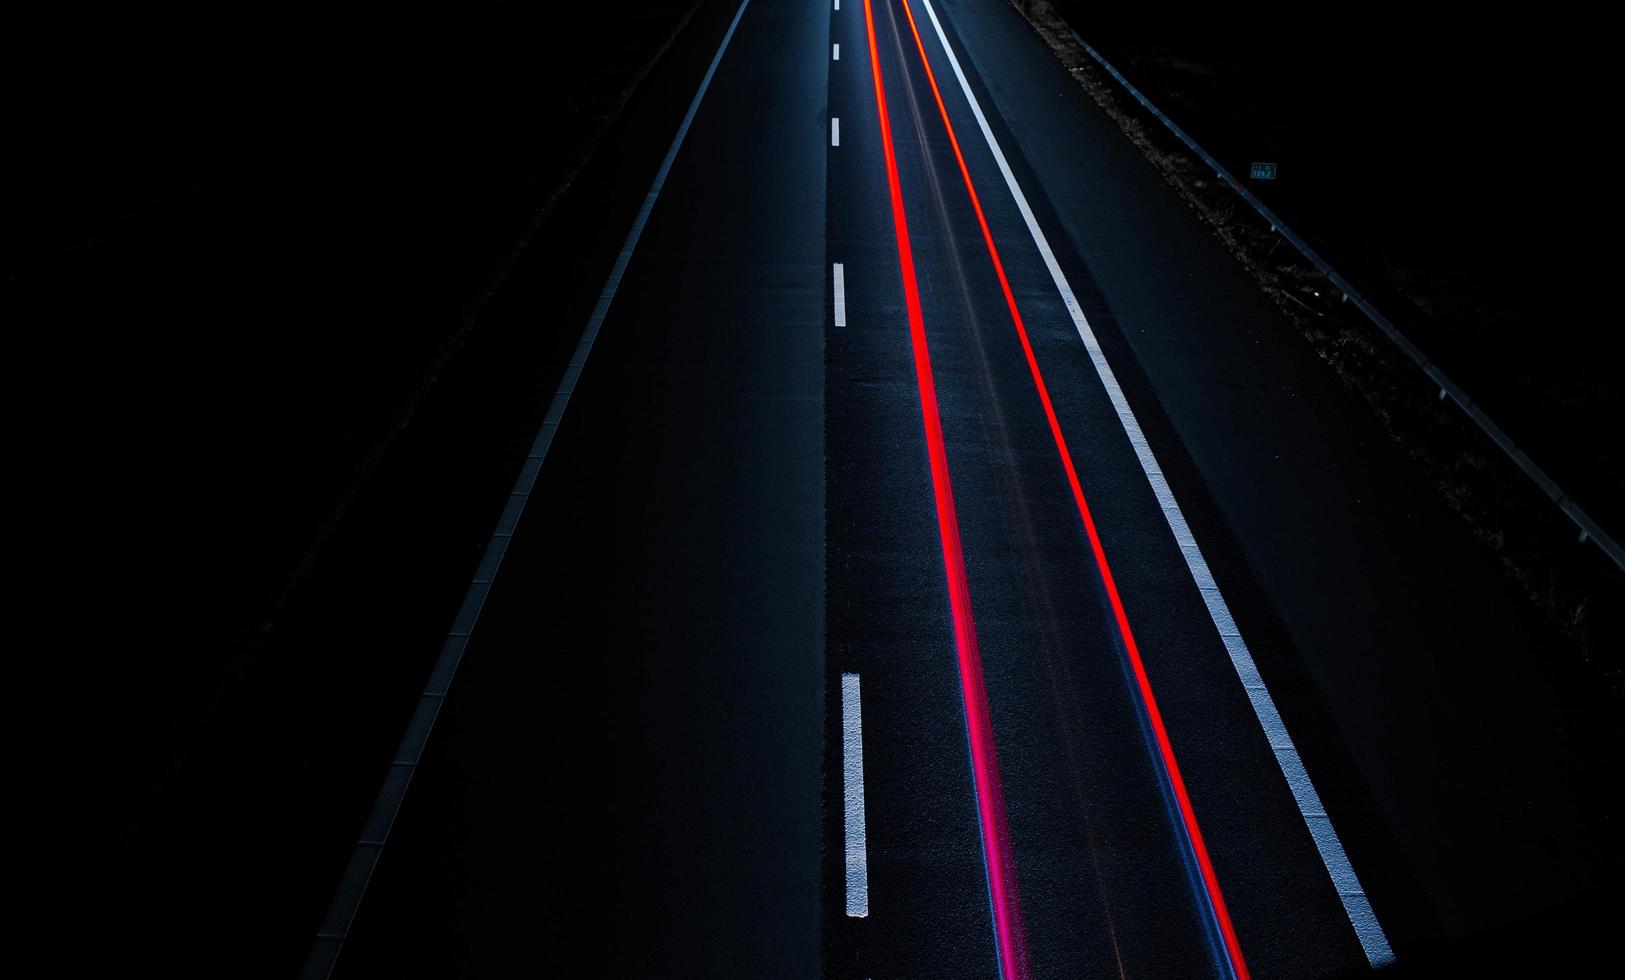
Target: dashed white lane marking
[1344, 880]
[834, 130]
[836, 55]
[840, 295]
[857, 847]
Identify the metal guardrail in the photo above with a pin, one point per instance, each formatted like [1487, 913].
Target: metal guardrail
[1589, 528]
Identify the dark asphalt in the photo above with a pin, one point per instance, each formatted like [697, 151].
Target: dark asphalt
[638, 771]
[630, 766]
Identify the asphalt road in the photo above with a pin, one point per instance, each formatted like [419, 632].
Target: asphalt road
[772, 476]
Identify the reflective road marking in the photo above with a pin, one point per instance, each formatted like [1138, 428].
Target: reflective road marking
[857, 851]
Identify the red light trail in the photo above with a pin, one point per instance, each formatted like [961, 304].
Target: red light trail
[1001, 872]
[1165, 747]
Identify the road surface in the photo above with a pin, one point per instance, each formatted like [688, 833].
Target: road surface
[949, 564]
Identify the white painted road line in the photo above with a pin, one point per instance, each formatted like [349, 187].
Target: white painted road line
[836, 56]
[1349, 890]
[834, 130]
[840, 295]
[857, 847]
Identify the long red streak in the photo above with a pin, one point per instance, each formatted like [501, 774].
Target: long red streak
[1165, 747]
[984, 764]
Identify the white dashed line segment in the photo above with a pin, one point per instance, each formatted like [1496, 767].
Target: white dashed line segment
[857, 848]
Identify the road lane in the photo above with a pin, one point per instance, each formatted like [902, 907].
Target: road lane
[1350, 891]
[1134, 902]
[625, 778]
[889, 617]
[1189, 826]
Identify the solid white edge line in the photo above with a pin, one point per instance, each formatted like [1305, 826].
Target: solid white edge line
[857, 848]
[834, 130]
[840, 295]
[328, 942]
[1372, 938]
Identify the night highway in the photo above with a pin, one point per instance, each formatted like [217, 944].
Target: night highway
[903, 542]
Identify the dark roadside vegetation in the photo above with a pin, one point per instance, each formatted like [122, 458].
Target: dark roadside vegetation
[271, 402]
[1447, 167]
